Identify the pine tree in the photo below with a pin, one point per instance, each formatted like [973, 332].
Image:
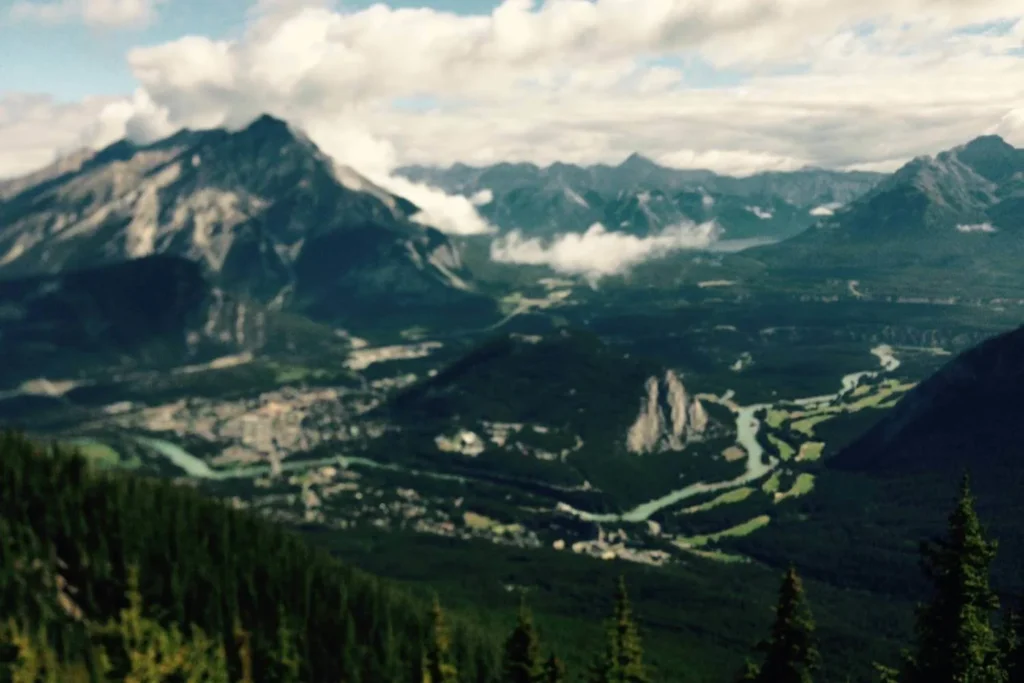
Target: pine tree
[955, 639]
[791, 655]
[521, 662]
[438, 665]
[554, 670]
[286, 656]
[749, 673]
[622, 659]
[1013, 647]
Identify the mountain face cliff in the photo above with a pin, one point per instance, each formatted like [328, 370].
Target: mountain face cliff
[668, 417]
[153, 312]
[952, 209]
[262, 210]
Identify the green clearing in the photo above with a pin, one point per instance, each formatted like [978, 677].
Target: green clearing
[734, 496]
[744, 529]
[806, 425]
[810, 451]
[96, 452]
[803, 485]
[773, 483]
[785, 450]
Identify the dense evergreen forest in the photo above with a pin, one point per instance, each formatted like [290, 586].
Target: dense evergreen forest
[105, 576]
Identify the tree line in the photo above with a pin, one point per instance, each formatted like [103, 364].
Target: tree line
[108, 577]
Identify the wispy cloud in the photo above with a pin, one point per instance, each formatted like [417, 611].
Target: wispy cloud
[832, 83]
[597, 252]
[97, 13]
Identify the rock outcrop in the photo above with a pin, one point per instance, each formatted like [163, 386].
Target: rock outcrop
[668, 417]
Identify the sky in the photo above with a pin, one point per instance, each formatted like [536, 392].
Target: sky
[737, 86]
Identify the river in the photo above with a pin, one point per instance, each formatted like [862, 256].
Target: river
[747, 428]
[198, 468]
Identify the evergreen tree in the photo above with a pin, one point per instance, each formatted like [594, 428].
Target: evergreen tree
[554, 670]
[521, 662]
[1013, 647]
[286, 658]
[956, 642]
[622, 659]
[790, 653]
[438, 664]
[749, 673]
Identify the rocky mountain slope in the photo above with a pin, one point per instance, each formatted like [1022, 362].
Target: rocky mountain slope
[153, 312]
[951, 209]
[896, 481]
[668, 417]
[265, 213]
[641, 197]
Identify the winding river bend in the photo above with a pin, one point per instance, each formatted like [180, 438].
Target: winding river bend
[747, 428]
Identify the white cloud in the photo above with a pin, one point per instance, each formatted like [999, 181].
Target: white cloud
[976, 227]
[483, 197]
[99, 13]
[597, 253]
[586, 82]
[36, 129]
[825, 209]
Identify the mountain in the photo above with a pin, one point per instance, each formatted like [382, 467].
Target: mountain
[153, 312]
[565, 411]
[640, 197]
[960, 418]
[895, 481]
[266, 214]
[961, 208]
[187, 578]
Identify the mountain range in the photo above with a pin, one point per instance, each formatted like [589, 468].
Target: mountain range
[961, 208]
[194, 302]
[640, 197]
[263, 211]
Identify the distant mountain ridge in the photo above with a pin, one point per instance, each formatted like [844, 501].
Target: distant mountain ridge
[962, 207]
[802, 187]
[640, 197]
[262, 209]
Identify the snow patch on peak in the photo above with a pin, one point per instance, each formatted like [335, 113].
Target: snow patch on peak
[574, 197]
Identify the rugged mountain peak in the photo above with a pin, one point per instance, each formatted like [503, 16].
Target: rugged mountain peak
[991, 157]
[668, 417]
[637, 161]
[267, 214]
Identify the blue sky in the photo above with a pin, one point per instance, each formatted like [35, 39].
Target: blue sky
[70, 60]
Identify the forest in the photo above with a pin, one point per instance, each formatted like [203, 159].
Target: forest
[106, 576]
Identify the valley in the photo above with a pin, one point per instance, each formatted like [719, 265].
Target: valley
[323, 454]
[433, 405]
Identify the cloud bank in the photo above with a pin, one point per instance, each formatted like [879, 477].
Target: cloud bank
[96, 13]
[596, 252]
[738, 87]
